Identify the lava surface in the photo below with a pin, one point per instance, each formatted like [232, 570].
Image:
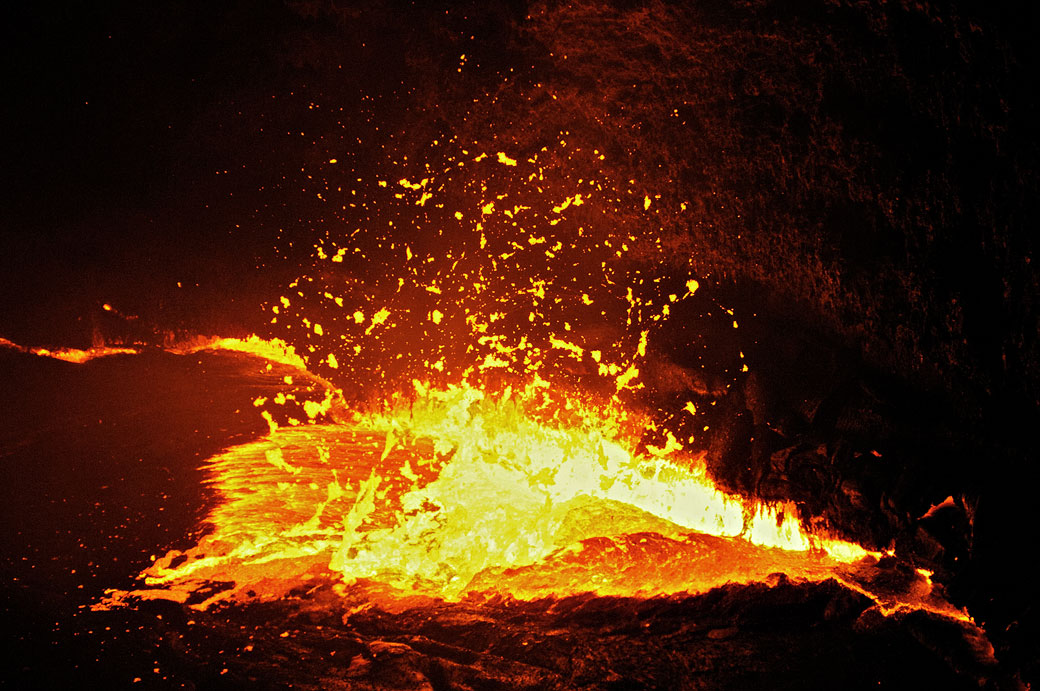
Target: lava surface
[102, 476]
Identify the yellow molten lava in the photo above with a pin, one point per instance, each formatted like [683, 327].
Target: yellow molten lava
[454, 490]
[507, 496]
[530, 296]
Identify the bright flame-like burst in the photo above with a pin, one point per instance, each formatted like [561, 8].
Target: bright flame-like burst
[491, 326]
[513, 486]
[452, 491]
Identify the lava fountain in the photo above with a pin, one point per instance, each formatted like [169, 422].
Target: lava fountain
[475, 408]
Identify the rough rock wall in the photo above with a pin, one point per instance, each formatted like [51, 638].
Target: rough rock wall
[862, 177]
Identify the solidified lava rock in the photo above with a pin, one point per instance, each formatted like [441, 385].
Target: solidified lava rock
[887, 465]
[862, 178]
[776, 635]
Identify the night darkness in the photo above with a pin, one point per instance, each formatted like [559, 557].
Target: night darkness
[859, 185]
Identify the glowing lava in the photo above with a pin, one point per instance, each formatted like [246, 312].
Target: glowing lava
[454, 491]
[499, 421]
[74, 355]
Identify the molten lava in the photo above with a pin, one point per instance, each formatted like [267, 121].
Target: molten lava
[459, 492]
[476, 405]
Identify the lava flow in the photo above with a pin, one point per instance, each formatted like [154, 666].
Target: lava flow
[488, 414]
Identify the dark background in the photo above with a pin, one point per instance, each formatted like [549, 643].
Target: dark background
[863, 179]
[871, 169]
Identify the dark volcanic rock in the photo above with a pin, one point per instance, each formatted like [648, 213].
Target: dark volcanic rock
[779, 635]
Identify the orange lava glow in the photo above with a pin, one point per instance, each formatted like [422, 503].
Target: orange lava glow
[457, 492]
[484, 419]
[75, 355]
[454, 493]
